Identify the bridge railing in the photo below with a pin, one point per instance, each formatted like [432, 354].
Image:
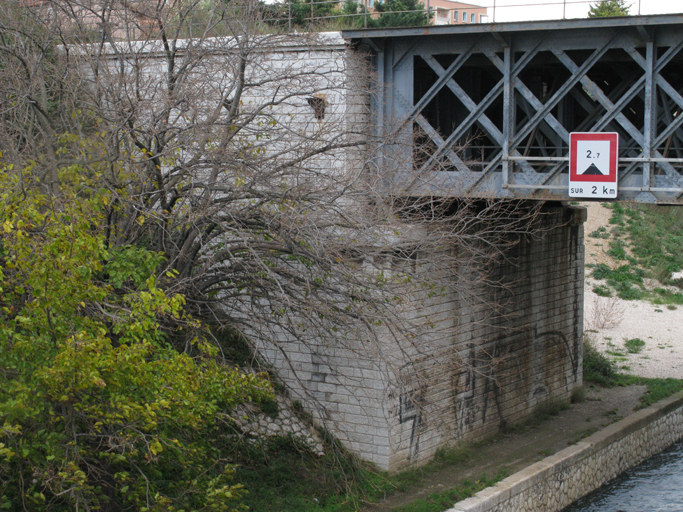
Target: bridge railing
[340, 14]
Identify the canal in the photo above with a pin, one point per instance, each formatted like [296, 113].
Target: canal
[655, 485]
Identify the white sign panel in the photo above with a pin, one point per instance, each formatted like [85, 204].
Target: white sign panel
[593, 159]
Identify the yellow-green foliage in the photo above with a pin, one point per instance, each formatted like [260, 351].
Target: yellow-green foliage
[97, 410]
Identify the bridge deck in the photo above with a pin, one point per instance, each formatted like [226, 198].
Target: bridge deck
[486, 110]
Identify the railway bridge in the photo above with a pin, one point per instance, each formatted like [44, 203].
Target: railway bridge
[486, 110]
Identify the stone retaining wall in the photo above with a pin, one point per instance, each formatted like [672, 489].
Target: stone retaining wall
[557, 481]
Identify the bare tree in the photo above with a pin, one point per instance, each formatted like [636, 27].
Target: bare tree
[244, 157]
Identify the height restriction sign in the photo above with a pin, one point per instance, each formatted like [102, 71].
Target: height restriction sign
[593, 167]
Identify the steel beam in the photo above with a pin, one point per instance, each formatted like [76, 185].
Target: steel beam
[622, 73]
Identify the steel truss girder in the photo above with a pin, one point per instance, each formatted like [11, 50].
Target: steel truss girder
[615, 79]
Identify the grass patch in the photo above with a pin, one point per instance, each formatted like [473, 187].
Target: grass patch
[667, 296]
[617, 250]
[657, 389]
[548, 409]
[582, 435]
[578, 395]
[602, 291]
[656, 236]
[597, 367]
[634, 345]
[626, 280]
[440, 501]
[282, 474]
[601, 232]
[617, 216]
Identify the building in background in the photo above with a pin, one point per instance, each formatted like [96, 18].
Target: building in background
[447, 12]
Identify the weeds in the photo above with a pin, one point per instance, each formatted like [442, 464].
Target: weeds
[655, 237]
[617, 250]
[602, 291]
[634, 345]
[601, 232]
[578, 395]
[617, 214]
[597, 367]
[582, 435]
[605, 313]
[442, 500]
[548, 409]
[657, 389]
[627, 280]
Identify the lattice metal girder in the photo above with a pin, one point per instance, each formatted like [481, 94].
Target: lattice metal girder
[515, 91]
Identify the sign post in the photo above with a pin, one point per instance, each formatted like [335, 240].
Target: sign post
[593, 169]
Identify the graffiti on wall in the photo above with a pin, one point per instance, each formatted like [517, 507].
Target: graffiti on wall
[411, 404]
[492, 371]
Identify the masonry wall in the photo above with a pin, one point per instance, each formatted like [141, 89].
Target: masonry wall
[498, 351]
[485, 354]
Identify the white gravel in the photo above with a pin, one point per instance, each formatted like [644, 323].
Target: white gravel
[609, 322]
[660, 328]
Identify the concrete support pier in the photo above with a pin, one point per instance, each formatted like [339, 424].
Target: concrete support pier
[483, 357]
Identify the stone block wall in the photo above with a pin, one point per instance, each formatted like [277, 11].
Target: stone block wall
[516, 344]
[483, 355]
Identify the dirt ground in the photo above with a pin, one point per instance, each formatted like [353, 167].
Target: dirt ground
[529, 444]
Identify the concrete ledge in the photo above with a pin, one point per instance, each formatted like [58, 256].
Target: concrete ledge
[557, 481]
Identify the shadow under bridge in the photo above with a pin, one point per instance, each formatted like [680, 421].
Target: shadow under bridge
[486, 110]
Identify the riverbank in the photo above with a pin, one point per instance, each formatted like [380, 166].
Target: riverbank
[558, 481]
[522, 446]
[611, 321]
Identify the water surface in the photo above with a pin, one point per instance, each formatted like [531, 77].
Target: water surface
[655, 485]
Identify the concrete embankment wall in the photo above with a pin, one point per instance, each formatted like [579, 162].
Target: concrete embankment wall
[557, 481]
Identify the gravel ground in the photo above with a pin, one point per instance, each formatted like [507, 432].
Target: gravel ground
[610, 321]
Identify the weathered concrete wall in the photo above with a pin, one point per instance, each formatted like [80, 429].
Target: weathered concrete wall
[557, 481]
[483, 355]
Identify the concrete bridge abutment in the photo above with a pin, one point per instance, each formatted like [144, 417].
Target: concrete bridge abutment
[485, 356]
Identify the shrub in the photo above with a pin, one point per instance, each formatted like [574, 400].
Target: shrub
[98, 410]
[634, 345]
[597, 367]
[602, 291]
[601, 232]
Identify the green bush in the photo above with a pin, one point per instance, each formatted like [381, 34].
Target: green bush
[98, 411]
[634, 345]
[597, 367]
